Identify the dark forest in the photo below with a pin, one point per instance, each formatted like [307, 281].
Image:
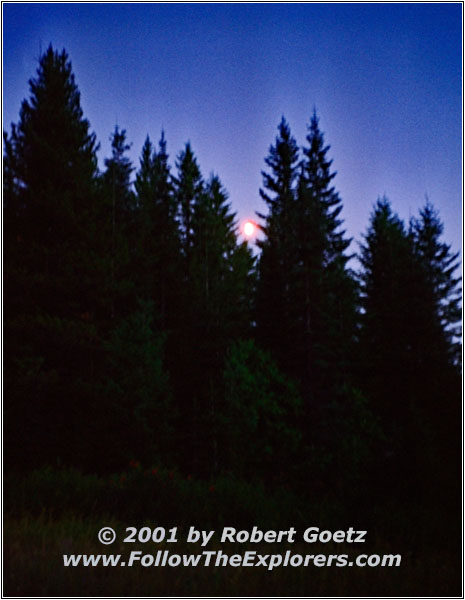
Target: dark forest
[158, 370]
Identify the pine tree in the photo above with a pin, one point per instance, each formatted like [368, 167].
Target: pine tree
[395, 311]
[306, 299]
[118, 177]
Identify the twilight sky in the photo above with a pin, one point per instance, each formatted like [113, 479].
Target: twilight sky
[385, 80]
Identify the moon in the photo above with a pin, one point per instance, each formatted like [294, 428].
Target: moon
[249, 229]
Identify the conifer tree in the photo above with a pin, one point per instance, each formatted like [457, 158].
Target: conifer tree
[188, 186]
[306, 298]
[387, 260]
[437, 345]
[276, 285]
[159, 250]
[121, 215]
[327, 290]
[440, 264]
[220, 274]
[51, 283]
[407, 366]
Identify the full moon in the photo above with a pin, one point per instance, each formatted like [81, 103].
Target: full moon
[249, 229]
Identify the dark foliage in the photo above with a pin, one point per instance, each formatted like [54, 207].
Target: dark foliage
[139, 328]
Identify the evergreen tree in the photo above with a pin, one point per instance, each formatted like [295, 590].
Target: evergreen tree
[440, 264]
[215, 307]
[306, 294]
[121, 212]
[52, 274]
[259, 418]
[387, 260]
[437, 348]
[327, 292]
[397, 342]
[158, 256]
[275, 302]
[118, 177]
[306, 307]
[136, 394]
[188, 186]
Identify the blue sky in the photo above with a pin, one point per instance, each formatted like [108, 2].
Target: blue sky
[385, 80]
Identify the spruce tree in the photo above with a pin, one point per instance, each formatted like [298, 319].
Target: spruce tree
[387, 261]
[306, 307]
[52, 277]
[327, 291]
[438, 347]
[159, 252]
[396, 317]
[440, 265]
[275, 300]
[188, 186]
[120, 218]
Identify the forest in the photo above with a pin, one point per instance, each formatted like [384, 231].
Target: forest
[156, 366]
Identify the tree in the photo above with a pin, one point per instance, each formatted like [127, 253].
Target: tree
[406, 360]
[259, 416]
[275, 301]
[136, 392]
[440, 264]
[388, 262]
[52, 293]
[438, 349]
[306, 297]
[158, 268]
[217, 311]
[188, 186]
[121, 211]
[327, 291]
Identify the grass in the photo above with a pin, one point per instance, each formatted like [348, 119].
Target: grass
[51, 513]
[33, 566]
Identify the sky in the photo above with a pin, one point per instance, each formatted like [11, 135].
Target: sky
[385, 79]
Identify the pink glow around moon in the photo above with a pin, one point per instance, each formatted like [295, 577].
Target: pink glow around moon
[249, 229]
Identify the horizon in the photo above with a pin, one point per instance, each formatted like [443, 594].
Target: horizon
[375, 73]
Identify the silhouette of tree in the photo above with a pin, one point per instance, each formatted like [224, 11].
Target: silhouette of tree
[52, 271]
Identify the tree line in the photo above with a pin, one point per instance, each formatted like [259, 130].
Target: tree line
[138, 326]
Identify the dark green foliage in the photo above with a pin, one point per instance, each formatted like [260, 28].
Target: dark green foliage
[51, 291]
[189, 185]
[157, 269]
[137, 390]
[389, 294]
[119, 233]
[326, 290]
[259, 414]
[276, 311]
[216, 307]
[407, 366]
[118, 177]
[306, 305]
[306, 294]
[439, 265]
[438, 352]
[138, 328]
